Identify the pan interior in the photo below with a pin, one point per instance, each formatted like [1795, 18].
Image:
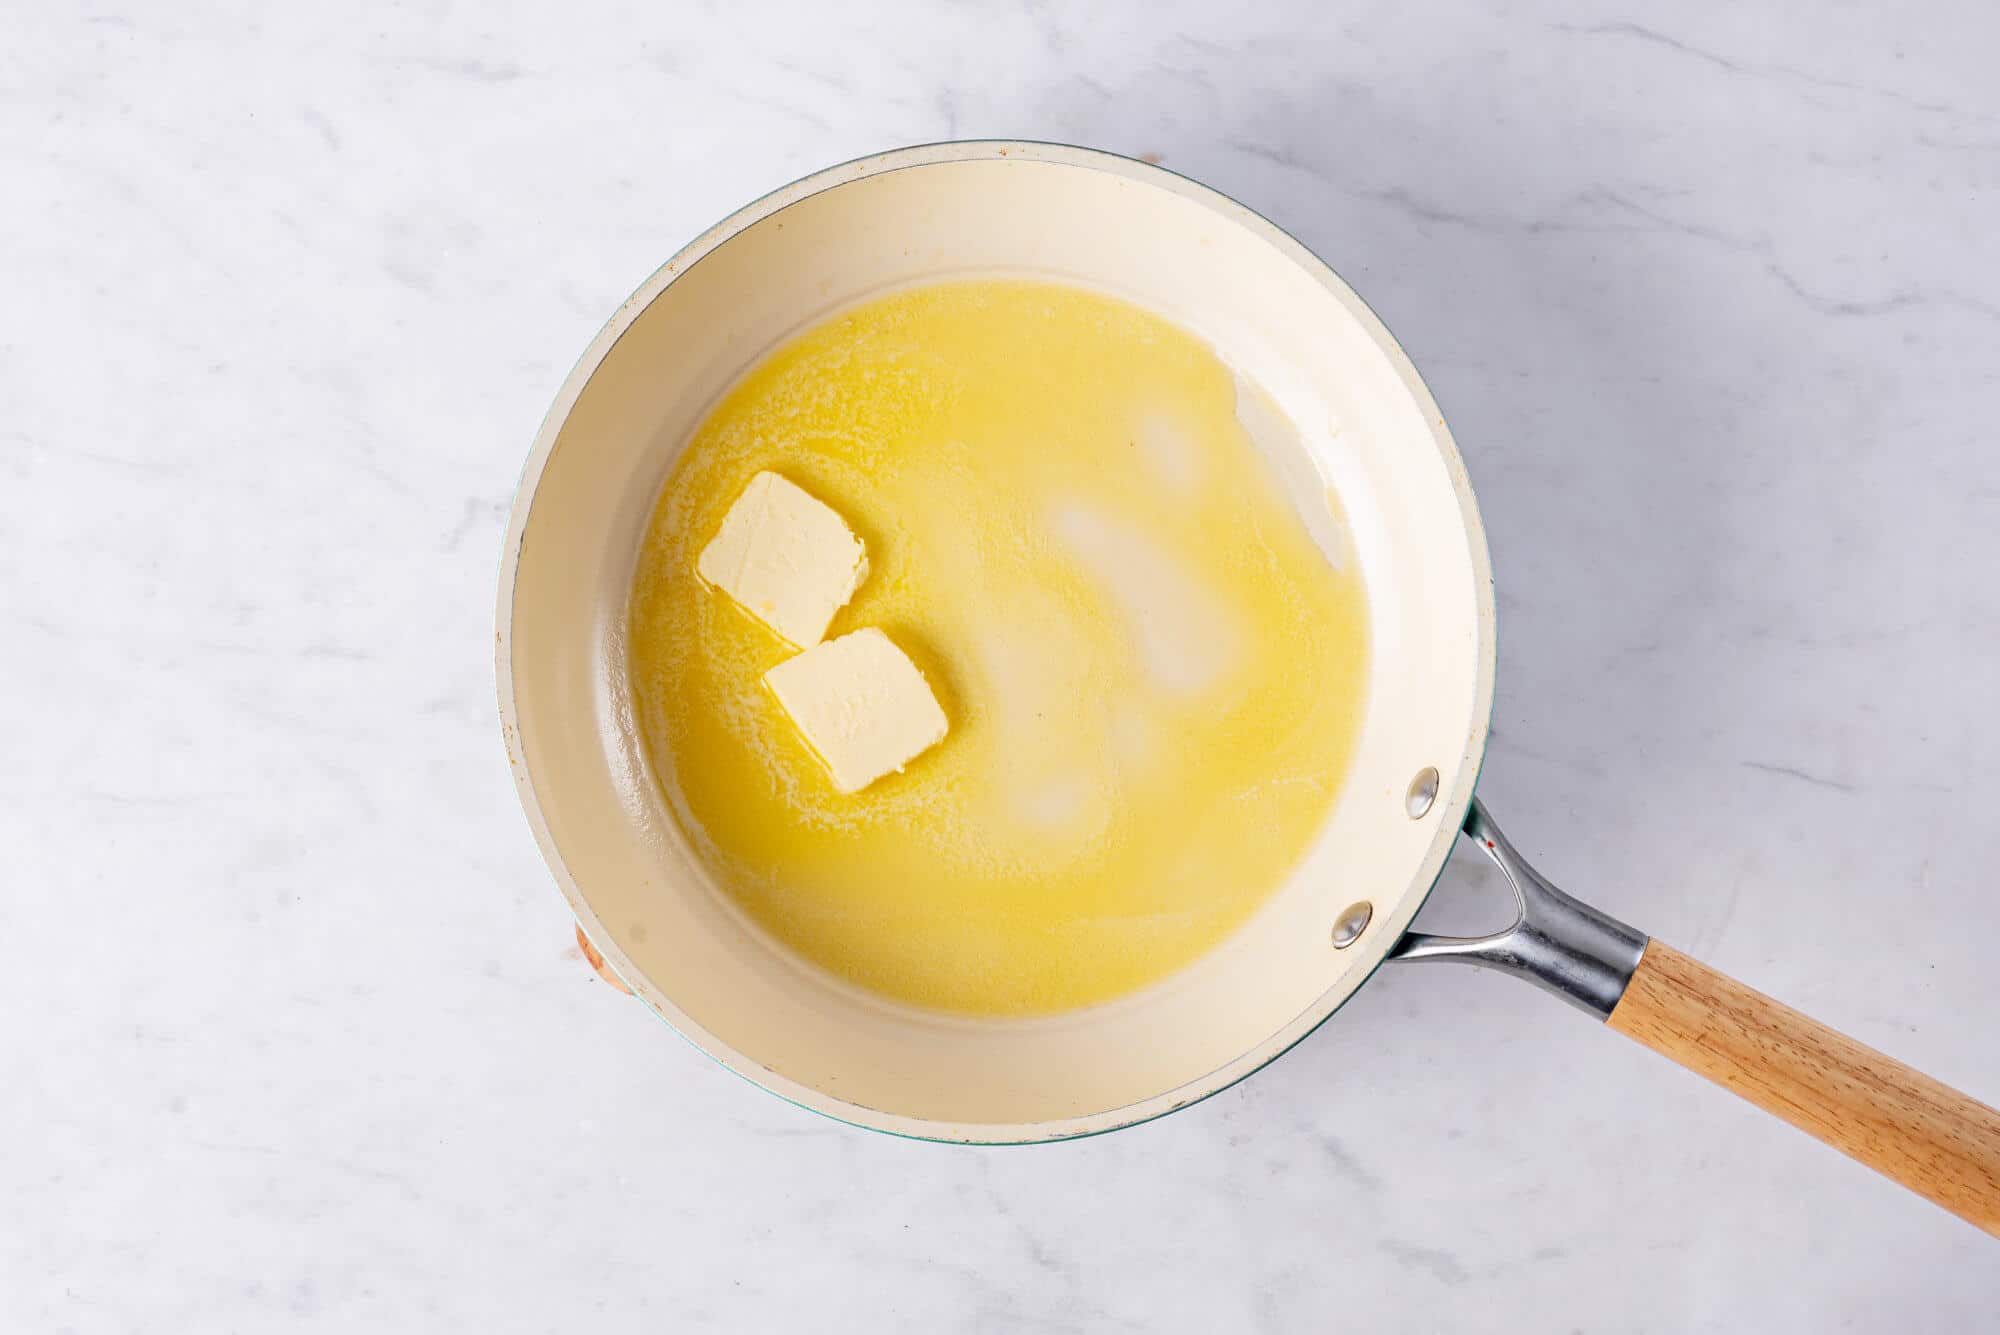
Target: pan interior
[1078, 522]
[1361, 417]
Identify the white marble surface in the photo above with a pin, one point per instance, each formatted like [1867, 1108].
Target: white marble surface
[292, 1032]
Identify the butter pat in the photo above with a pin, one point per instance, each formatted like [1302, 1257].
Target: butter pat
[862, 705]
[788, 558]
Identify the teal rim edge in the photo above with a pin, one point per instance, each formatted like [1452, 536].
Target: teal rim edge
[1479, 768]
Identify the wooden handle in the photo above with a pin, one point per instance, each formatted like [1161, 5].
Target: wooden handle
[1906, 1126]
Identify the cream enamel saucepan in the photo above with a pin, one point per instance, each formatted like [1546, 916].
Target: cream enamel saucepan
[1281, 317]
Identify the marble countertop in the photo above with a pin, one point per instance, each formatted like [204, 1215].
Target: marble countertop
[293, 1030]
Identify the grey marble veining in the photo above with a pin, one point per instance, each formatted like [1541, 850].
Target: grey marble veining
[292, 1032]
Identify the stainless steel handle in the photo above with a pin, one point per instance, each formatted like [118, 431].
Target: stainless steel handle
[1558, 943]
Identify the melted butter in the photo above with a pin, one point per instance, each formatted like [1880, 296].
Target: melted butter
[1154, 675]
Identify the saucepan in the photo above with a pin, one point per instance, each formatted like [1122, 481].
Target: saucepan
[1283, 319]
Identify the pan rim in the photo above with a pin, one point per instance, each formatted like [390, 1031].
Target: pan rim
[1453, 802]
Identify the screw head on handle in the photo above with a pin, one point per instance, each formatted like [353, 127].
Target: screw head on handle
[1347, 928]
[1423, 792]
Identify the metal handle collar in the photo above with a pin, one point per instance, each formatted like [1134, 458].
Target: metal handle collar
[1558, 943]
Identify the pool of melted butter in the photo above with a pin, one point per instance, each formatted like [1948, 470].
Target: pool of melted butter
[1153, 667]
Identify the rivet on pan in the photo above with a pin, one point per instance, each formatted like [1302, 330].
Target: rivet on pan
[1423, 792]
[1347, 928]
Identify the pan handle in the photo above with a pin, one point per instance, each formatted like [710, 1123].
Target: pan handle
[1941, 1144]
[1556, 942]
